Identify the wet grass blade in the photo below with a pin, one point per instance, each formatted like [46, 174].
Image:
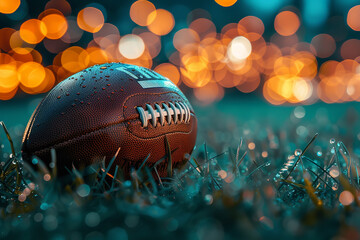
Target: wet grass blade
[143, 163]
[257, 169]
[158, 176]
[321, 169]
[53, 163]
[299, 157]
[108, 167]
[318, 178]
[151, 180]
[168, 153]
[297, 185]
[8, 137]
[241, 159]
[114, 178]
[238, 150]
[198, 167]
[206, 160]
[348, 159]
[311, 192]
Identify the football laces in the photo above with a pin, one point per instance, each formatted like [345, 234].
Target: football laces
[179, 112]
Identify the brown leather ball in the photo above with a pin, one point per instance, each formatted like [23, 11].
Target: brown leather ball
[93, 113]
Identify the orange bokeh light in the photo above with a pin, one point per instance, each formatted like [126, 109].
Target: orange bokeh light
[350, 49]
[353, 18]
[97, 56]
[240, 67]
[309, 69]
[292, 89]
[195, 79]
[194, 63]
[271, 54]
[323, 45]
[6, 59]
[50, 81]
[251, 27]
[209, 93]
[9, 78]
[113, 53]
[75, 59]
[90, 19]
[226, 78]
[21, 57]
[61, 73]
[5, 34]
[203, 27]
[35, 79]
[109, 34]
[36, 56]
[61, 5]
[33, 31]
[250, 82]
[55, 45]
[18, 45]
[353, 88]
[170, 71]
[226, 3]
[160, 22]
[139, 12]
[228, 32]
[56, 25]
[286, 23]
[212, 50]
[347, 66]
[346, 198]
[9, 6]
[152, 43]
[331, 89]
[31, 74]
[73, 33]
[258, 48]
[8, 95]
[328, 68]
[339, 81]
[186, 40]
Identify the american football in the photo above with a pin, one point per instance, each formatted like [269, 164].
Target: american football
[101, 109]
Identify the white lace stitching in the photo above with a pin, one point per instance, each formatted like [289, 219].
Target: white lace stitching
[177, 111]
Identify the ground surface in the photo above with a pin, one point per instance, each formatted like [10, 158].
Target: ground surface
[251, 176]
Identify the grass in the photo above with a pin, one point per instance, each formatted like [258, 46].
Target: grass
[271, 183]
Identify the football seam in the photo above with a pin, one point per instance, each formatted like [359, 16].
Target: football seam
[136, 94]
[183, 132]
[80, 136]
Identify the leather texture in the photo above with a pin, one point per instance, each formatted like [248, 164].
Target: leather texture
[91, 114]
